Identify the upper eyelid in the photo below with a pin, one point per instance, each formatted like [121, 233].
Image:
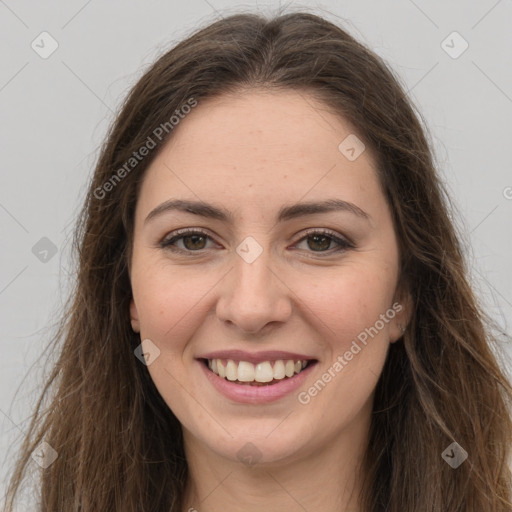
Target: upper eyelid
[179, 233]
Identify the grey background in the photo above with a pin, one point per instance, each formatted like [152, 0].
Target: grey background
[55, 111]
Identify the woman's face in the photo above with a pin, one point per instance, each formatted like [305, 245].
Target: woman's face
[268, 279]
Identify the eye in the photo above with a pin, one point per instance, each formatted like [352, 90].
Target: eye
[321, 240]
[195, 240]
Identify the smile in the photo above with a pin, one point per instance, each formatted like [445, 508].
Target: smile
[256, 377]
[262, 373]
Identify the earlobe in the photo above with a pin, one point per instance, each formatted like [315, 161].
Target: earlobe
[397, 330]
[402, 307]
[134, 317]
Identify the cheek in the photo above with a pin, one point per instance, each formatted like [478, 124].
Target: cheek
[345, 302]
[346, 312]
[169, 301]
[172, 304]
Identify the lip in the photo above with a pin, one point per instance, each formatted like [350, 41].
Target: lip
[255, 357]
[244, 393]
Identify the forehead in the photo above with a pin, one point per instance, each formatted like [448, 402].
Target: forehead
[259, 145]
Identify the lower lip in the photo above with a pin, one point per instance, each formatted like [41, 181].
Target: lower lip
[245, 393]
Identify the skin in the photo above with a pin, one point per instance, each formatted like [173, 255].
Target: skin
[252, 153]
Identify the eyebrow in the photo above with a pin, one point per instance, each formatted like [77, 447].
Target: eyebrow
[285, 213]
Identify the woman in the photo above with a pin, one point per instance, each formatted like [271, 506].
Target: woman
[271, 298]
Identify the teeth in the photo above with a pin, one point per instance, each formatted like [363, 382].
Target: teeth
[243, 371]
[221, 369]
[279, 370]
[264, 372]
[231, 370]
[289, 369]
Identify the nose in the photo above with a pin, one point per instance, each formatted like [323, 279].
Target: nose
[253, 295]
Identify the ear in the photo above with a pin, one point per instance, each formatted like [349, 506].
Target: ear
[402, 306]
[134, 316]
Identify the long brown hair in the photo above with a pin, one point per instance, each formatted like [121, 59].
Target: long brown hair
[120, 446]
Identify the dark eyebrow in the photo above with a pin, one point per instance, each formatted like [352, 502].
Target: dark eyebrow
[285, 213]
[330, 205]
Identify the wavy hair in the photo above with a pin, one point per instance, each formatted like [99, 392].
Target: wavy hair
[120, 446]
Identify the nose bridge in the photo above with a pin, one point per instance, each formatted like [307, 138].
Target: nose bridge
[254, 277]
[253, 295]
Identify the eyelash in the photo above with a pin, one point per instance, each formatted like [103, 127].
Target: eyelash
[183, 233]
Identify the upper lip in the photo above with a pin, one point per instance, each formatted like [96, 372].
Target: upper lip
[255, 357]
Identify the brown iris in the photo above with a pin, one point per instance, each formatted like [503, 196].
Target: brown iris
[195, 239]
[326, 240]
